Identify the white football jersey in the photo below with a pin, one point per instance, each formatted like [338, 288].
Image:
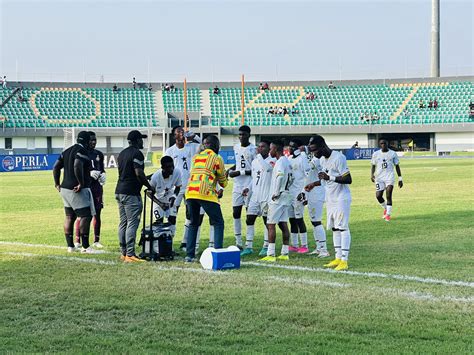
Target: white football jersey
[165, 187]
[300, 169]
[182, 159]
[384, 164]
[282, 180]
[335, 165]
[243, 161]
[317, 192]
[261, 178]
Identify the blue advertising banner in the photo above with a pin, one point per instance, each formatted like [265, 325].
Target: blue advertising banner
[228, 156]
[359, 153]
[27, 162]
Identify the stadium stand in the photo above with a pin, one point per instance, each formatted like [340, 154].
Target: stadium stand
[74, 107]
[174, 100]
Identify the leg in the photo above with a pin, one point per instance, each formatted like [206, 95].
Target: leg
[303, 236]
[77, 233]
[250, 222]
[69, 226]
[294, 233]
[133, 210]
[389, 192]
[84, 230]
[97, 224]
[122, 225]
[193, 208]
[214, 212]
[271, 239]
[237, 213]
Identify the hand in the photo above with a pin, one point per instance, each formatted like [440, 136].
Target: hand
[275, 197]
[220, 193]
[372, 178]
[245, 192]
[77, 188]
[151, 190]
[400, 184]
[95, 174]
[301, 197]
[323, 176]
[102, 179]
[58, 187]
[309, 187]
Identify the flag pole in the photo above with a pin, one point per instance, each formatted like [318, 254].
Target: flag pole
[243, 100]
[185, 98]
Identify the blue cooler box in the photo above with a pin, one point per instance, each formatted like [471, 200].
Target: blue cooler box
[221, 259]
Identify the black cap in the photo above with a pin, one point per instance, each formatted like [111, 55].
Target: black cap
[83, 137]
[135, 135]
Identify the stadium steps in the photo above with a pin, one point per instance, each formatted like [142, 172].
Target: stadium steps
[404, 103]
[205, 103]
[249, 104]
[160, 108]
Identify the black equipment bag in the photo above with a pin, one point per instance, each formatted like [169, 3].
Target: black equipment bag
[156, 238]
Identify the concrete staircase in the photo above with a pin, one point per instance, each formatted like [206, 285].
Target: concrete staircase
[160, 108]
[404, 103]
[205, 103]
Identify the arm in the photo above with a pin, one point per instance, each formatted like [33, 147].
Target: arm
[372, 173]
[343, 179]
[140, 173]
[312, 185]
[57, 172]
[399, 173]
[79, 173]
[220, 173]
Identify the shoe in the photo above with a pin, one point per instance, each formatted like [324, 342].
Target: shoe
[189, 259]
[342, 266]
[122, 257]
[182, 246]
[283, 257]
[384, 213]
[269, 258]
[302, 250]
[133, 259]
[72, 249]
[77, 245]
[293, 249]
[240, 247]
[315, 252]
[97, 245]
[387, 217]
[333, 263]
[263, 252]
[88, 251]
[246, 251]
[323, 254]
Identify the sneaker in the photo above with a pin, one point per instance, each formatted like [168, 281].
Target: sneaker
[293, 249]
[97, 245]
[323, 254]
[77, 245]
[263, 252]
[342, 266]
[133, 259]
[302, 250]
[88, 251]
[122, 257]
[246, 251]
[315, 252]
[72, 249]
[384, 213]
[283, 257]
[387, 217]
[189, 259]
[270, 258]
[333, 263]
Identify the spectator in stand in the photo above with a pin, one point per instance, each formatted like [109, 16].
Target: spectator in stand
[115, 88]
[266, 87]
[134, 83]
[361, 117]
[216, 90]
[435, 104]
[421, 104]
[172, 87]
[430, 104]
[355, 145]
[270, 111]
[331, 85]
[471, 109]
[375, 117]
[4, 82]
[260, 87]
[150, 88]
[406, 114]
[280, 110]
[285, 111]
[366, 117]
[294, 111]
[167, 87]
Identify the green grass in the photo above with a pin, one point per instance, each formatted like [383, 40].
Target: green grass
[51, 301]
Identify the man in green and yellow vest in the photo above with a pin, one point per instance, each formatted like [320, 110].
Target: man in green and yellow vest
[207, 170]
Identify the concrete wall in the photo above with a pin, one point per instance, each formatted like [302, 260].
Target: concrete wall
[454, 141]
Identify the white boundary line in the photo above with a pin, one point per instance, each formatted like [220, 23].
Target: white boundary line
[287, 280]
[301, 268]
[365, 274]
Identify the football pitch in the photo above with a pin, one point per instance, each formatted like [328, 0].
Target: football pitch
[410, 287]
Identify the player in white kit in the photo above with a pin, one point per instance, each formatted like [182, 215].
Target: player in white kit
[167, 184]
[262, 167]
[335, 177]
[300, 170]
[244, 153]
[279, 201]
[382, 175]
[315, 195]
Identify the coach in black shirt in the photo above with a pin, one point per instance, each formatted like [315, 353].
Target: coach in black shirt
[131, 164]
[75, 190]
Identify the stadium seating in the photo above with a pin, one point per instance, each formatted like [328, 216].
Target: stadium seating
[66, 107]
[174, 100]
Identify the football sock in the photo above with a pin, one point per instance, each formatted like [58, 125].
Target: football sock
[294, 240]
[320, 236]
[345, 244]
[304, 239]
[284, 249]
[250, 235]
[271, 249]
[85, 241]
[383, 205]
[238, 231]
[69, 240]
[389, 209]
[265, 237]
[336, 236]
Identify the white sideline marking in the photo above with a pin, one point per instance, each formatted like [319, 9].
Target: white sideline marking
[365, 274]
[386, 291]
[303, 268]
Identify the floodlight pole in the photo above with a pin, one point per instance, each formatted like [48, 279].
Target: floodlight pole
[243, 100]
[185, 98]
[435, 38]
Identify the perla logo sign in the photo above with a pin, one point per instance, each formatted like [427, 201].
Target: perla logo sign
[28, 162]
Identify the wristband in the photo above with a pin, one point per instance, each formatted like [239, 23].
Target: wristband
[400, 178]
[332, 178]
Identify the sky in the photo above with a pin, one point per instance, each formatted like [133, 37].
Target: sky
[165, 41]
